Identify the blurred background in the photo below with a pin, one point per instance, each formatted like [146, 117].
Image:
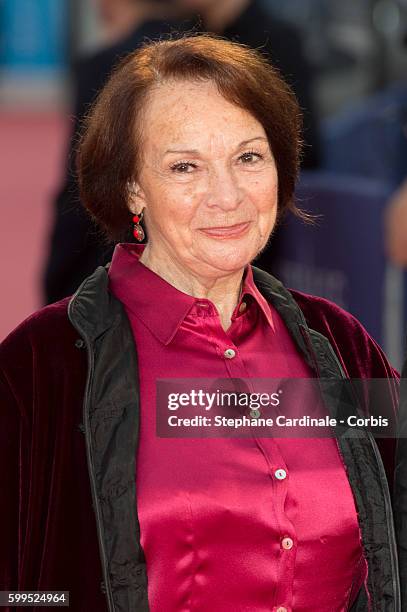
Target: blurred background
[347, 62]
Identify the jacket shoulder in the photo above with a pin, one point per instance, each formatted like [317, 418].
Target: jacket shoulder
[48, 320]
[359, 352]
[40, 343]
[314, 306]
[38, 357]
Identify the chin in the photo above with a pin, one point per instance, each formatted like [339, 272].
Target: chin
[232, 259]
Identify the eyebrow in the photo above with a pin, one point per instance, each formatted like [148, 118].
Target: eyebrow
[196, 152]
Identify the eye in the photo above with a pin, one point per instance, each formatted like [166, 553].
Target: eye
[182, 167]
[250, 157]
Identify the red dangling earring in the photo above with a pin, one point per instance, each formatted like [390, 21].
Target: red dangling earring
[138, 230]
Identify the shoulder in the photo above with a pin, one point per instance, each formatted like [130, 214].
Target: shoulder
[324, 312]
[49, 321]
[38, 359]
[356, 348]
[42, 344]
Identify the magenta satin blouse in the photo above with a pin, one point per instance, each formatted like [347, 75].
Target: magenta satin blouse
[232, 524]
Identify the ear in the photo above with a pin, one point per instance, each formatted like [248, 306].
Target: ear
[136, 199]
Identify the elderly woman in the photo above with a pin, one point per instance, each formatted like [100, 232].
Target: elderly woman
[196, 140]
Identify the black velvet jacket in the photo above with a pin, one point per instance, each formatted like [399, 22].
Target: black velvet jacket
[68, 441]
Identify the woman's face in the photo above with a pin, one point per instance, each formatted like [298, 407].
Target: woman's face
[208, 180]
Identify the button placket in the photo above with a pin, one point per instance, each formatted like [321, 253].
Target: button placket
[284, 591]
[276, 469]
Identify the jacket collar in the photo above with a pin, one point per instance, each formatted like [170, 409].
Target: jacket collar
[92, 308]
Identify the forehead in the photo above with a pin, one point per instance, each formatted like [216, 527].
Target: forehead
[189, 111]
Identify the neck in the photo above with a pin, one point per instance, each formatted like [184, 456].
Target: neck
[223, 291]
[219, 15]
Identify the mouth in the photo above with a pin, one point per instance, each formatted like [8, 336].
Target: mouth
[227, 231]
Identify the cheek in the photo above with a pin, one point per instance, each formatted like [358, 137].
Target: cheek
[266, 196]
[174, 205]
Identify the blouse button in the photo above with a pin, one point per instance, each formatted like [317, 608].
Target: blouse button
[229, 353]
[280, 474]
[287, 543]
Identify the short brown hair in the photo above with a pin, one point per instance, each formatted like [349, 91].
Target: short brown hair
[109, 151]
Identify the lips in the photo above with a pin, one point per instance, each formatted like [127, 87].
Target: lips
[227, 231]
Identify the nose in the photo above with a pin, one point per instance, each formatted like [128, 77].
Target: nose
[224, 190]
